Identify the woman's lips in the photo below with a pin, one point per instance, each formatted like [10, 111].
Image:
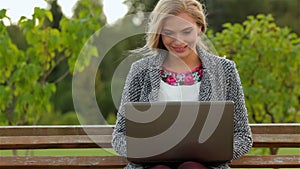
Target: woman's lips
[180, 49]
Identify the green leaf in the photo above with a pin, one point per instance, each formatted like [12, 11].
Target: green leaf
[49, 15]
[2, 13]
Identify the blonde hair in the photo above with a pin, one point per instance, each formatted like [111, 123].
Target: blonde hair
[165, 8]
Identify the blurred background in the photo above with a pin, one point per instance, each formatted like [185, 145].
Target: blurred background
[38, 51]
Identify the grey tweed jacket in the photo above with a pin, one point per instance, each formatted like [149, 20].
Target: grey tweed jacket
[220, 82]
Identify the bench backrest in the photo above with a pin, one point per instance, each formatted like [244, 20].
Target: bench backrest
[33, 137]
[45, 137]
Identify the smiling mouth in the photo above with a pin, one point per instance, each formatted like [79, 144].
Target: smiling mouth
[180, 49]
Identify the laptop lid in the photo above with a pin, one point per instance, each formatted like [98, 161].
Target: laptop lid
[179, 131]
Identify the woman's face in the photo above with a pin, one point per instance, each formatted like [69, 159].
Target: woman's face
[179, 35]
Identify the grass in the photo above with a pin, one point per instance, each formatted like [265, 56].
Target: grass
[103, 152]
[289, 151]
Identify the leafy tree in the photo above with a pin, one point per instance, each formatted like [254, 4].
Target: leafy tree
[268, 59]
[21, 83]
[25, 87]
[56, 13]
[15, 32]
[136, 6]
[62, 99]
[90, 7]
[222, 11]
[17, 37]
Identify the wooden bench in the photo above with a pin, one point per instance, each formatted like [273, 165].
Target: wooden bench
[75, 137]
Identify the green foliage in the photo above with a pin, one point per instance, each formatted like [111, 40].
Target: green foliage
[268, 60]
[58, 118]
[236, 11]
[33, 68]
[2, 13]
[136, 6]
[25, 87]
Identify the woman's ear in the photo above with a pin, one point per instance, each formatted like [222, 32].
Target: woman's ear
[199, 30]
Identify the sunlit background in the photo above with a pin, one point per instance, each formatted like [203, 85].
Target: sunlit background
[260, 36]
[113, 9]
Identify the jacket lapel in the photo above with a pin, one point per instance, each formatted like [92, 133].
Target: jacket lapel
[154, 72]
[205, 86]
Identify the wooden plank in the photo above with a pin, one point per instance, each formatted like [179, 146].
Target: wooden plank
[276, 128]
[276, 140]
[268, 161]
[291, 128]
[56, 130]
[68, 141]
[104, 141]
[66, 162]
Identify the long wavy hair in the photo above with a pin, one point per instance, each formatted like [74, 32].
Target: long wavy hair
[163, 10]
[166, 8]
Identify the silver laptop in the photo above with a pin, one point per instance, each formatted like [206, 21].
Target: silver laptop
[179, 131]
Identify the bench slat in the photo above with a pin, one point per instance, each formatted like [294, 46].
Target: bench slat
[107, 129]
[104, 141]
[55, 130]
[275, 128]
[68, 141]
[276, 140]
[65, 162]
[287, 161]
[267, 161]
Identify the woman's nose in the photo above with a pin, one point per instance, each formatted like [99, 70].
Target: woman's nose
[178, 40]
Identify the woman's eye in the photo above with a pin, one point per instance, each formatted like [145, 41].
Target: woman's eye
[187, 32]
[168, 33]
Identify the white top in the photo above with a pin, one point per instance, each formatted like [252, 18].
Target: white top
[178, 93]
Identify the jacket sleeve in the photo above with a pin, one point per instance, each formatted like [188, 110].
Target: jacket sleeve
[242, 132]
[131, 93]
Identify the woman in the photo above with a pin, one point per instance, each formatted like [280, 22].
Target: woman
[186, 71]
